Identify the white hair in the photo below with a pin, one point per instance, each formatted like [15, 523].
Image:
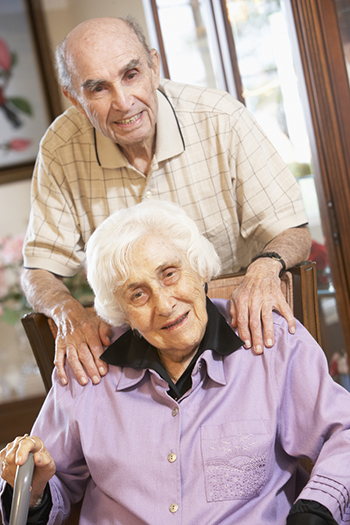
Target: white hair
[109, 251]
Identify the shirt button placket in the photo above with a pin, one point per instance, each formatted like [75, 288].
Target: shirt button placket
[173, 507]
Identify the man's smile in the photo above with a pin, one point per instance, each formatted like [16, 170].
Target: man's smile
[130, 120]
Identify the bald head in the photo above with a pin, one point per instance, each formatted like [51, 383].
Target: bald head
[92, 36]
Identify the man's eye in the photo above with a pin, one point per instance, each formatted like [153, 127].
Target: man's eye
[98, 89]
[131, 74]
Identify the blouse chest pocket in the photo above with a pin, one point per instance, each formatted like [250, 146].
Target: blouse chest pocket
[236, 457]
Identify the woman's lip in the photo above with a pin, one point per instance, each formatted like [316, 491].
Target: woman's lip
[179, 321]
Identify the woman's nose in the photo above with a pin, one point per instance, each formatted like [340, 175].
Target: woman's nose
[164, 303]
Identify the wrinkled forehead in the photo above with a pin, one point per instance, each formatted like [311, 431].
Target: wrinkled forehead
[100, 44]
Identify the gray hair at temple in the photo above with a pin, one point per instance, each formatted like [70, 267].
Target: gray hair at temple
[109, 251]
[64, 75]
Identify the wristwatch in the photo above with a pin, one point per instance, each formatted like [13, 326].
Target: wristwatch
[272, 255]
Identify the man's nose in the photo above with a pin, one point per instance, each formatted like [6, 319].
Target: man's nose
[122, 99]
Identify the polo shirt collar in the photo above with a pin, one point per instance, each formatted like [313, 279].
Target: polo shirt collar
[138, 355]
[169, 139]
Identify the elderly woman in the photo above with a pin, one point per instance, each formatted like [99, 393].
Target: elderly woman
[188, 427]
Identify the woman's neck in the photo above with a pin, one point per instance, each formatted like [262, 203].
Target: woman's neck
[175, 366]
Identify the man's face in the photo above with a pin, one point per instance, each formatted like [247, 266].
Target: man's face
[115, 85]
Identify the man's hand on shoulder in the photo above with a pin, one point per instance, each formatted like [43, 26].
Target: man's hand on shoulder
[254, 301]
[81, 335]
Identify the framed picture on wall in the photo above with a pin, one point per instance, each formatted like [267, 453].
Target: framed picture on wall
[29, 94]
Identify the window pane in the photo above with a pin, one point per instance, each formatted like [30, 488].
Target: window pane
[185, 28]
[270, 88]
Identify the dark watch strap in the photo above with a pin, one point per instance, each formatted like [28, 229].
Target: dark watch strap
[272, 255]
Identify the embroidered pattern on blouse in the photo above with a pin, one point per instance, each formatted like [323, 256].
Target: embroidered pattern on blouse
[239, 472]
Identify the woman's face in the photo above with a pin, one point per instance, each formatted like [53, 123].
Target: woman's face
[164, 299]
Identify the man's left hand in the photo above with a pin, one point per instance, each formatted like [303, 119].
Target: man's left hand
[253, 302]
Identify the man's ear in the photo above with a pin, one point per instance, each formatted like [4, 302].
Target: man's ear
[73, 100]
[155, 66]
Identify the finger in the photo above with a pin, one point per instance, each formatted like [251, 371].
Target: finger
[256, 330]
[243, 325]
[95, 363]
[59, 361]
[233, 313]
[267, 325]
[105, 333]
[101, 366]
[83, 364]
[285, 310]
[28, 444]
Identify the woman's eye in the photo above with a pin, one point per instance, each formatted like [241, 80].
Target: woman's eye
[139, 298]
[170, 275]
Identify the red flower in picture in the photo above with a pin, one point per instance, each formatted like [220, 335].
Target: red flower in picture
[5, 56]
[16, 145]
[11, 107]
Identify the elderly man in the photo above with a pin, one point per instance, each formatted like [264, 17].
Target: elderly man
[129, 137]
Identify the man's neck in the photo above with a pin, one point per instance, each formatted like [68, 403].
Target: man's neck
[140, 155]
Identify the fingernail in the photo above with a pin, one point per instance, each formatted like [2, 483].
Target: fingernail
[269, 342]
[247, 343]
[83, 380]
[64, 381]
[95, 380]
[258, 349]
[102, 370]
[292, 330]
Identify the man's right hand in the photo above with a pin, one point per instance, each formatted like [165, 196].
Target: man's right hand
[80, 333]
[80, 338]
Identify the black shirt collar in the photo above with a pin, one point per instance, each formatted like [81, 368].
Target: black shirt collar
[136, 353]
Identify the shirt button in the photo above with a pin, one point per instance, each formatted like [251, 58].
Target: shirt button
[171, 457]
[174, 411]
[148, 194]
[199, 366]
[173, 508]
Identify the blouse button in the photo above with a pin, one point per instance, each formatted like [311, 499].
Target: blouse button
[173, 508]
[174, 411]
[171, 457]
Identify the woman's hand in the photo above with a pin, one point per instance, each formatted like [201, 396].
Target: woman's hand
[16, 454]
